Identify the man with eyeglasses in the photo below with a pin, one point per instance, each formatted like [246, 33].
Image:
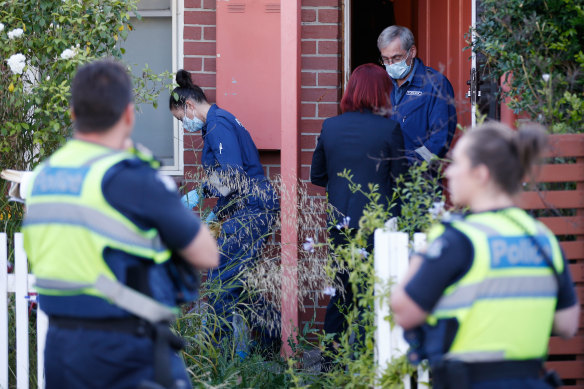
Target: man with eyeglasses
[422, 98]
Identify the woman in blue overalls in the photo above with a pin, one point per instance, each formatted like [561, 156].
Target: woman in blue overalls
[247, 204]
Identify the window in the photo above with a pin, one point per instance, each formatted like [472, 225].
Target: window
[155, 41]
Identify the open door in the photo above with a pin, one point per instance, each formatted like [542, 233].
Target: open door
[439, 27]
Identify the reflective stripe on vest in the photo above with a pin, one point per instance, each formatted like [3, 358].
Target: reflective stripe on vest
[91, 219]
[505, 302]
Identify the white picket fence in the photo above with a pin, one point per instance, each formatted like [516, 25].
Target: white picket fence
[391, 263]
[20, 283]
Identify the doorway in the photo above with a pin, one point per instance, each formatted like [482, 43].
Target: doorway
[368, 19]
[439, 28]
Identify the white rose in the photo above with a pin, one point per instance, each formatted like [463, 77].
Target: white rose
[17, 32]
[1, 27]
[68, 54]
[17, 62]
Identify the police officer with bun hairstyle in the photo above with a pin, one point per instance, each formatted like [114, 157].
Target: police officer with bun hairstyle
[481, 302]
[247, 207]
[112, 248]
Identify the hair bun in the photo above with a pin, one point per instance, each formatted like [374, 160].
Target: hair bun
[183, 79]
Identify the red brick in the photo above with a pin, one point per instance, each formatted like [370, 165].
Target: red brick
[308, 142]
[200, 48]
[328, 79]
[305, 173]
[193, 64]
[195, 143]
[308, 78]
[311, 125]
[308, 47]
[200, 17]
[319, 94]
[306, 157]
[320, 32]
[211, 94]
[274, 172]
[209, 4]
[328, 47]
[329, 15]
[314, 190]
[320, 63]
[320, 3]
[210, 33]
[327, 110]
[204, 79]
[193, 3]
[308, 15]
[308, 110]
[210, 64]
[193, 33]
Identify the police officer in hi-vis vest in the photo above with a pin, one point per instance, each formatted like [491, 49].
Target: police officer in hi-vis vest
[112, 248]
[481, 302]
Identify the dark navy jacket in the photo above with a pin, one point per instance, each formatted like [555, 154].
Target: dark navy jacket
[371, 147]
[229, 150]
[426, 112]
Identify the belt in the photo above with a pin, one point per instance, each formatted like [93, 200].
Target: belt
[160, 333]
[460, 375]
[128, 325]
[487, 371]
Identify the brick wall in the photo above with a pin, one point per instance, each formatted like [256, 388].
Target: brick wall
[320, 96]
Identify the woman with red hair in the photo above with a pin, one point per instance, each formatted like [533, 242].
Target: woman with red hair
[368, 144]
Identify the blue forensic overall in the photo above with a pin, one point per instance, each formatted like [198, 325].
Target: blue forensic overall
[92, 343]
[424, 108]
[492, 298]
[248, 206]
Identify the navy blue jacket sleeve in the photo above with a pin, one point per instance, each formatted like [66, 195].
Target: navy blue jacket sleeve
[448, 258]
[566, 293]
[318, 172]
[147, 198]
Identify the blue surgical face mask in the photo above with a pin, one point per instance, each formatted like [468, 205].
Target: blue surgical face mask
[192, 125]
[399, 70]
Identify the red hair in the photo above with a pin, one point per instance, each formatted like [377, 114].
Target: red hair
[368, 89]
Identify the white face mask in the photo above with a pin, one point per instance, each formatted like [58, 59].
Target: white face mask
[398, 70]
[192, 125]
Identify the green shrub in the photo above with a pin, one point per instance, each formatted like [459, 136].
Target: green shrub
[538, 47]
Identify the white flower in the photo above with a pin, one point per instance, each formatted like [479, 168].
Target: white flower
[68, 54]
[17, 62]
[48, 78]
[1, 27]
[363, 252]
[308, 245]
[546, 77]
[17, 32]
[329, 291]
[344, 223]
[437, 209]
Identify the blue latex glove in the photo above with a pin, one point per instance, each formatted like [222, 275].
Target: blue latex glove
[191, 199]
[211, 217]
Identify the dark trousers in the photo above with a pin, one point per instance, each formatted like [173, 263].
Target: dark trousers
[240, 242]
[94, 359]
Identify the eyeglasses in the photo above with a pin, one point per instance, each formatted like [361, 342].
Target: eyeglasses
[396, 58]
